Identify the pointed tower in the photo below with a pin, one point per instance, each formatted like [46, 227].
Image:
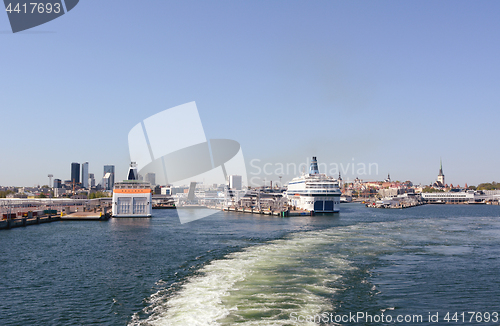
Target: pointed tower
[440, 178]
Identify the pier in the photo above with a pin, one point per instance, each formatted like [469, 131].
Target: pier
[25, 221]
[397, 205]
[87, 216]
[10, 223]
[25, 212]
[280, 213]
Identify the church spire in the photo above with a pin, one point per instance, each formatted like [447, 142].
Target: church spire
[440, 179]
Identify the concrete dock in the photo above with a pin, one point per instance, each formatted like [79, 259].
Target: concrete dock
[25, 218]
[25, 221]
[85, 216]
[282, 213]
[399, 205]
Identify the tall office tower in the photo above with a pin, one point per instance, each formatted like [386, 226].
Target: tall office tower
[75, 173]
[150, 177]
[91, 180]
[106, 181]
[111, 178]
[57, 183]
[85, 175]
[235, 182]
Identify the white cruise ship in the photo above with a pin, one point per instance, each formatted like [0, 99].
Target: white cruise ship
[132, 198]
[314, 191]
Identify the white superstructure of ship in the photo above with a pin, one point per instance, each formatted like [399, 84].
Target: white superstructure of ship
[314, 191]
[132, 197]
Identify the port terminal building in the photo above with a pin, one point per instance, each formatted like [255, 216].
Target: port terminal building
[449, 197]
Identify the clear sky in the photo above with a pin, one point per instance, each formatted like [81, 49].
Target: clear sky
[396, 83]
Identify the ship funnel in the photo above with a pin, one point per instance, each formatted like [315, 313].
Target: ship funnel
[313, 169]
[132, 172]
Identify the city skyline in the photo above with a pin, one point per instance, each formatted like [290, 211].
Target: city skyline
[396, 84]
[261, 180]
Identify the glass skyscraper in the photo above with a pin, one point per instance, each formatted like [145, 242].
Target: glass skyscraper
[75, 173]
[111, 170]
[85, 175]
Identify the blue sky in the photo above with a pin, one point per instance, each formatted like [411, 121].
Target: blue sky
[396, 83]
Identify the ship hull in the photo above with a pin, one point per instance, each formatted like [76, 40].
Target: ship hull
[318, 204]
[132, 203]
[314, 192]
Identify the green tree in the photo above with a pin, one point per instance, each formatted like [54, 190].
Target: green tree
[489, 186]
[97, 194]
[4, 193]
[430, 189]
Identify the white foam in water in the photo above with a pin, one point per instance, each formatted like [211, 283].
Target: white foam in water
[261, 285]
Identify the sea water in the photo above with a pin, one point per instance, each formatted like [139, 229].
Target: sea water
[427, 265]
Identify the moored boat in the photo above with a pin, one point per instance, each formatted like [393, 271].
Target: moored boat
[132, 197]
[314, 191]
